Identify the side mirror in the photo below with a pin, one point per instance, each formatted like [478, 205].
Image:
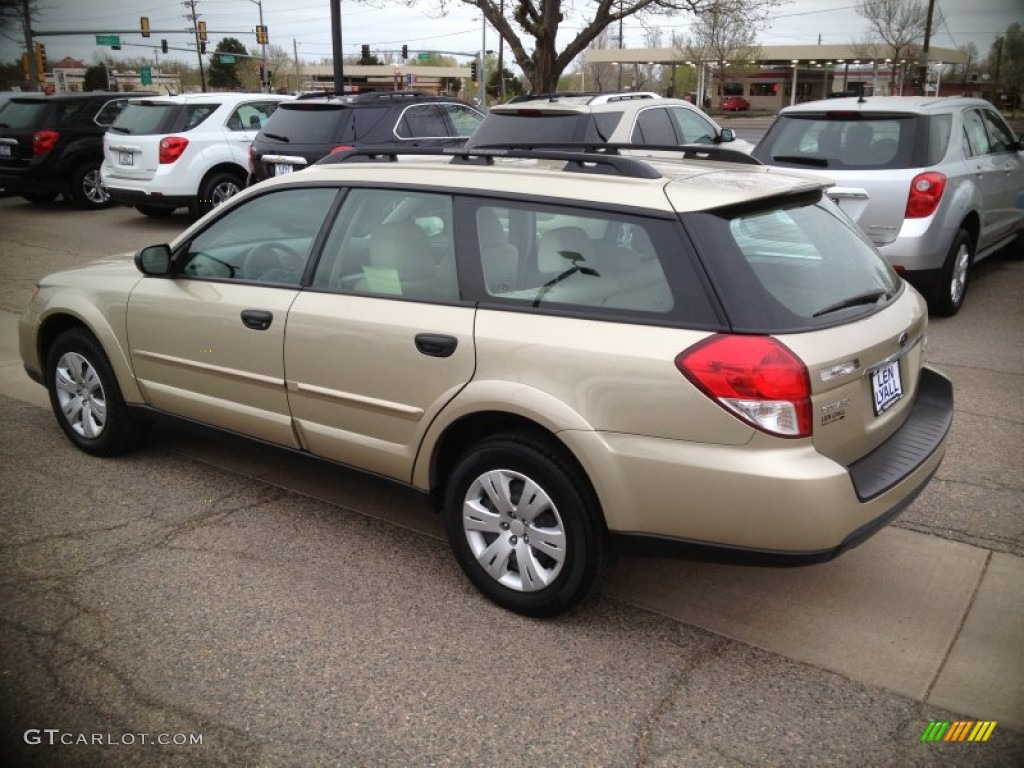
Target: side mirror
[154, 260]
[727, 134]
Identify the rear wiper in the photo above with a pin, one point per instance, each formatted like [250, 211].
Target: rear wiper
[285, 139]
[864, 298]
[801, 160]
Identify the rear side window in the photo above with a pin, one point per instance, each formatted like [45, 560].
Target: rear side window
[110, 111]
[850, 143]
[463, 119]
[789, 268]
[307, 123]
[423, 121]
[22, 114]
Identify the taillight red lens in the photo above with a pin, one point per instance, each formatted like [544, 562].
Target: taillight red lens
[341, 148]
[925, 194]
[43, 141]
[171, 148]
[757, 378]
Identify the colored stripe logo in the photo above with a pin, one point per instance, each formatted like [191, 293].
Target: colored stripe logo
[959, 730]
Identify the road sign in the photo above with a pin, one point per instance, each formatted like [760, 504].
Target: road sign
[423, 56]
[226, 58]
[110, 40]
[146, 75]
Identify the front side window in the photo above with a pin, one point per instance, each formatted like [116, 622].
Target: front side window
[792, 267]
[555, 258]
[391, 242]
[1000, 136]
[266, 239]
[691, 127]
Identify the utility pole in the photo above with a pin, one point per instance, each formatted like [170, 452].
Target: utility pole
[26, 26]
[298, 77]
[924, 49]
[339, 64]
[191, 16]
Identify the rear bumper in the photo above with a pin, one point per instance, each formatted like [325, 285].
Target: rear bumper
[141, 197]
[770, 501]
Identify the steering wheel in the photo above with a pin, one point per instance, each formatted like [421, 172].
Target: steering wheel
[273, 262]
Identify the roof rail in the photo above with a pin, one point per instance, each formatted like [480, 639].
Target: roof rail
[576, 160]
[684, 151]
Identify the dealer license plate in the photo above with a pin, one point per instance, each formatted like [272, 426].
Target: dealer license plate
[126, 158]
[886, 386]
[282, 169]
[5, 150]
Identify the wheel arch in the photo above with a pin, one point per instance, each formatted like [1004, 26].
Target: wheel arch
[225, 166]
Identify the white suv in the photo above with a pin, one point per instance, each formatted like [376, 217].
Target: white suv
[174, 151]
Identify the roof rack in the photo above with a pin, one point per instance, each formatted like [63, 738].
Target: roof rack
[576, 161]
[683, 151]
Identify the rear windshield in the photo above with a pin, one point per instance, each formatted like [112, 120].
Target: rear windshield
[797, 267]
[307, 123]
[22, 114]
[534, 126]
[856, 142]
[154, 117]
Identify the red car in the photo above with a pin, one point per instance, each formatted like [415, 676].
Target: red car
[735, 104]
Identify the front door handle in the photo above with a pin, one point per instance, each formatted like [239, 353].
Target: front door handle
[257, 319]
[436, 344]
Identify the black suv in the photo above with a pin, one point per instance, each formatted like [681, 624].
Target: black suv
[54, 146]
[303, 131]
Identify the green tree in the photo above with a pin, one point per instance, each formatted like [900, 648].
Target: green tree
[1006, 62]
[221, 75]
[95, 78]
[537, 24]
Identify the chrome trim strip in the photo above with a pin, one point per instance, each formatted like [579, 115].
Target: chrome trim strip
[896, 356]
[231, 373]
[287, 159]
[395, 409]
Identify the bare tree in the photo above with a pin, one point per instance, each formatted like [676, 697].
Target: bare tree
[899, 24]
[721, 34]
[521, 22]
[601, 76]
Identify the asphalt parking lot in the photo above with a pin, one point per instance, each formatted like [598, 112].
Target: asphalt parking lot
[290, 613]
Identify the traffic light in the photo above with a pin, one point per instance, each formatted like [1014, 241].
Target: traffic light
[366, 51]
[144, 23]
[202, 46]
[40, 61]
[472, 71]
[405, 51]
[263, 74]
[202, 30]
[163, 46]
[261, 35]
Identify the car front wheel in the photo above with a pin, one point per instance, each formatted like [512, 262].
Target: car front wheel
[524, 526]
[954, 277]
[85, 396]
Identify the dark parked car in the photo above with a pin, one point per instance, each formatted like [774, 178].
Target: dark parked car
[54, 146]
[305, 130]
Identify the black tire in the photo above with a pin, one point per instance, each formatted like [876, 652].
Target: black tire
[155, 211]
[86, 191]
[86, 398]
[954, 277]
[563, 506]
[39, 197]
[216, 188]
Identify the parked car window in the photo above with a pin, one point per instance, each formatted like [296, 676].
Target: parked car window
[940, 130]
[975, 135]
[421, 122]
[1000, 136]
[463, 118]
[544, 257]
[22, 114]
[691, 127]
[266, 239]
[393, 243]
[145, 118]
[196, 113]
[110, 111]
[248, 117]
[653, 126]
[860, 143]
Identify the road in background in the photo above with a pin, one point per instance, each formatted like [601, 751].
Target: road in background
[293, 613]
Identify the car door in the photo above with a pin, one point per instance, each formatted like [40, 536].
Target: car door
[207, 343]
[381, 341]
[985, 165]
[1007, 169]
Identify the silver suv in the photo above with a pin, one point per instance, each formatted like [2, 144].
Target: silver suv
[568, 353]
[589, 118]
[936, 183]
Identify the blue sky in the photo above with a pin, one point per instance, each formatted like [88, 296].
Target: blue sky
[307, 22]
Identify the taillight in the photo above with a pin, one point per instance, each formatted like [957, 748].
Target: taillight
[925, 193]
[43, 142]
[754, 377]
[171, 148]
[341, 148]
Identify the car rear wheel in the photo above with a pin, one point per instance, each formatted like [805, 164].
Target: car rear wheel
[155, 211]
[85, 396]
[217, 188]
[524, 526]
[86, 189]
[954, 277]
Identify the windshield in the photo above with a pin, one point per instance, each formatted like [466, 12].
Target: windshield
[793, 267]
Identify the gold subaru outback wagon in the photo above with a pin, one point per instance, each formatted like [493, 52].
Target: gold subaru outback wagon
[572, 353]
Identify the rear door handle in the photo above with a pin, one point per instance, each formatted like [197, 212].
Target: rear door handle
[436, 344]
[257, 319]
